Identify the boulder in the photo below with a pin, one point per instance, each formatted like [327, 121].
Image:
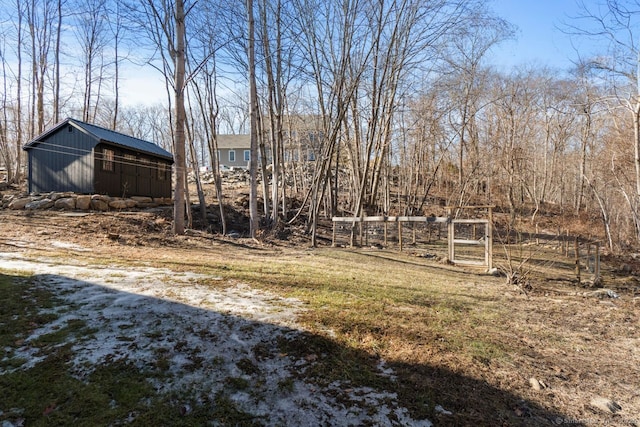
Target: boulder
[163, 201]
[19, 203]
[122, 204]
[99, 205]
[56, 195]
[66, 203]
[83, 202]
[142, 199]
[101, 198]
[40, 204]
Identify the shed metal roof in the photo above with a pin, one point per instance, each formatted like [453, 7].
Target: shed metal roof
[105, 135]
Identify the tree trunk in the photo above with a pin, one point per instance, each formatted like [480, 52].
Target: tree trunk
[56, 89]
[253, 102]
[180, 163]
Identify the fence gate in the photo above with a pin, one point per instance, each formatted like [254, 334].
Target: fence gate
[466, 238]
[467, 234]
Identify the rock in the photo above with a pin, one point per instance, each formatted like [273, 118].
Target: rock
[118, 204]
[99, 205]
[142, 199]
[494, 272]
[101, 198]
[66, 203]
[39, 204]
[83, 202]
[19, 203]
[122, 204]
[603, 293]
[55, 196]
[163, 201]
[536, 385]
[131, 203]
[606, 405]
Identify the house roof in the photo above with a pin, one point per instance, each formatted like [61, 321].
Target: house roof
[105, 135]
[234, 141]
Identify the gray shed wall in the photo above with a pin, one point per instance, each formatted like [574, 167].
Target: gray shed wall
[64, 162]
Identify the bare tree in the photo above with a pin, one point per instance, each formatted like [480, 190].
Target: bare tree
[617, 22]
[165, 26]
[91, 34]
[466, 82]
[204, 90]
[254, 112]
[39, 18]
[56, 70]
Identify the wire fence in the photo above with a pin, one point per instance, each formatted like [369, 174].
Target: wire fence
[580, 255]
[389, 231]
[470, 242]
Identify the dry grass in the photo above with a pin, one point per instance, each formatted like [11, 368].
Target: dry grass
[454, 337]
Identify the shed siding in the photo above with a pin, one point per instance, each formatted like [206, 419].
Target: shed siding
[71, 157]
[133, 174]
[62, 163]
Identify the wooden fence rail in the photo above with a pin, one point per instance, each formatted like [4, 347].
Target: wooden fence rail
[360, 226]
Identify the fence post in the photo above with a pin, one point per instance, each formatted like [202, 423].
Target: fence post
[333, 237]
[399, 233]
[450, 231]
[577, 254]
[352, 234]
[385, 231]
[413, 227]
[597, 269]
[490, 240]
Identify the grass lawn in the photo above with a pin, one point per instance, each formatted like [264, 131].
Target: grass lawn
[460, 346]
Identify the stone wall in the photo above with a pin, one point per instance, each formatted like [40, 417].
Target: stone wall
[81, 202]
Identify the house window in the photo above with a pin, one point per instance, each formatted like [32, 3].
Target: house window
[108, 160]
[162, 171]
[247, 155]
[232, 155]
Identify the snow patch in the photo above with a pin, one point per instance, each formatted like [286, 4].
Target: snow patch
[204, 336]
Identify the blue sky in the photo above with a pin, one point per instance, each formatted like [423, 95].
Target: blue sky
[539, 41]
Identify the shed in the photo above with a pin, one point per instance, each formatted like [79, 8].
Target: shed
[84, 158]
